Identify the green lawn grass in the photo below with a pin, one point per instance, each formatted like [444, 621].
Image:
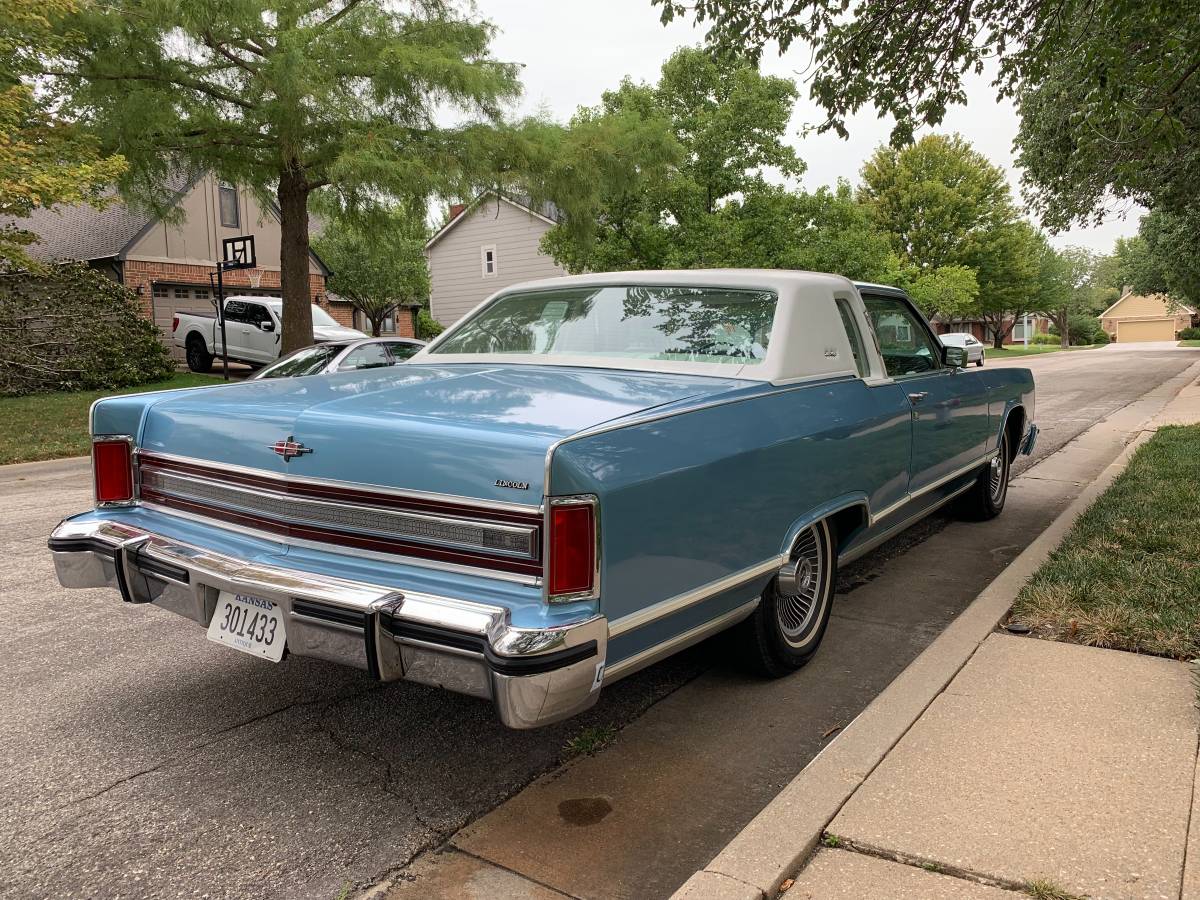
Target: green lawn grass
[1127, 576]
[1189, 343]
[50, 426]
[1033, 350]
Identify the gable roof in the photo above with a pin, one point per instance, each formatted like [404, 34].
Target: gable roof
[82, 232]
[1179, 307]
[547, 212]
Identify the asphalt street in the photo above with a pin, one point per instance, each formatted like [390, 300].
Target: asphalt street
[141, 760]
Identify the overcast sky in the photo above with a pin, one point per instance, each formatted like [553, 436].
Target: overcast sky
[572, 50]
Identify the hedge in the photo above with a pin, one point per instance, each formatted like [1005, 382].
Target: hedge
[68, 328]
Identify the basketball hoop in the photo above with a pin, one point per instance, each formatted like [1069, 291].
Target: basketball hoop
[255, 276]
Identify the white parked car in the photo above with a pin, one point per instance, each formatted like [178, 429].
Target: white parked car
[253, 326]
[343, 356]
[968, 342]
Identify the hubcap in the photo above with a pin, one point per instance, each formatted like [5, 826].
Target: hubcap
[800, 586]
[998, 477]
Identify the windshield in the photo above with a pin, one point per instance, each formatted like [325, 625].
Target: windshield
[678, 324]
[308, 361]
[320, 318]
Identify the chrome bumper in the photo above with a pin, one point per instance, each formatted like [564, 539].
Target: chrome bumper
[532, 676]
[1030, 441]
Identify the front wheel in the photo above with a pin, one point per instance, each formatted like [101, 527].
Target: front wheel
[985, 498]
[787, 627]
[979, 362]
[198, 357]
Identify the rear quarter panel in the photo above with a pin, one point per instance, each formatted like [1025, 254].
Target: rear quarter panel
[696, 497]
[1007, 390]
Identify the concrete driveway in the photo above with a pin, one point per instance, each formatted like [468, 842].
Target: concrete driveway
[142, 761]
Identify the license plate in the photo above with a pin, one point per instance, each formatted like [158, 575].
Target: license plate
[253, 625]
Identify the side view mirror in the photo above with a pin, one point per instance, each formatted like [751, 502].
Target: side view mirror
[955, 357]
[267, 325]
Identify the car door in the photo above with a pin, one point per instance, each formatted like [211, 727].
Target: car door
[371, 355]
[235, 328]
[260, 333]
[949, 406]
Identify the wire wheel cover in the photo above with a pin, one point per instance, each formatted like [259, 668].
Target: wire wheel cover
[798, 603]
[998, 472]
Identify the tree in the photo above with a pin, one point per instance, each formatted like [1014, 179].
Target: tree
[937, 200]
[1108, 90]
[948, 211]
[43, 159]
[289, 96]
[1067, 286]
[1162, 258]
[719, 124]
[1008, 268]
[377, 267]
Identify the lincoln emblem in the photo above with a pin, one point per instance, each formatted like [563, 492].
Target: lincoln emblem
[289, 449]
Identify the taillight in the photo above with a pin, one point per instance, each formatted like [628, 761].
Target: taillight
[572, 548]
[174, 324]
[112, 469]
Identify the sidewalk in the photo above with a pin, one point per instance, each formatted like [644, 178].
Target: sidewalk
[1047, 768]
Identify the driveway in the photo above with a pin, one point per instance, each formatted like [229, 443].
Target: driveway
[140, 760]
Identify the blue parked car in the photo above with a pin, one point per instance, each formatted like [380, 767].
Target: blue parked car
[583, 476]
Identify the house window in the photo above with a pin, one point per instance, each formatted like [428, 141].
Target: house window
[487, 257]
[229, 205]
[362, 323]
[160, 291]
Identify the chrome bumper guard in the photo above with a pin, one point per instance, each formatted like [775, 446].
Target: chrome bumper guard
[1030, 441]
[532, 676]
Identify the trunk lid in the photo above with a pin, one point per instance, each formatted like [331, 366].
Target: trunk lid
[450, 429]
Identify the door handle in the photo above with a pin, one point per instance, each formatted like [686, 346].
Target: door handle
[918, 396]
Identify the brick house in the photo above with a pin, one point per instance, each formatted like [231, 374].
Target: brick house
[168, 261]
[978, 329]
[484, 246]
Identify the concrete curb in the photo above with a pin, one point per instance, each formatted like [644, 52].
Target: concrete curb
[780, 839]
[47, 468]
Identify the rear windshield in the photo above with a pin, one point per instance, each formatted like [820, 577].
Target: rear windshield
[308, 361]
[678, 324]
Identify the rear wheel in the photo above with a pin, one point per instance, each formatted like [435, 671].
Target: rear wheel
[985, 498]
[787, 627]
[979, 362]
[198, 357]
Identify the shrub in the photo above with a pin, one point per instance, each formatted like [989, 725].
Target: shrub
[1082, 329]
[427, 326]
[1045, 339]
[1100, 338]
[1190, 334]
[67, 328]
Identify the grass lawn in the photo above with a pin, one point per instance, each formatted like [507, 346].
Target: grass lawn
[1033, 350]
[1189, 343]
[50, 426]
[1128, 574]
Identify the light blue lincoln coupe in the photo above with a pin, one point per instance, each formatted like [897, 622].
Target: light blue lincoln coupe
[581, 477]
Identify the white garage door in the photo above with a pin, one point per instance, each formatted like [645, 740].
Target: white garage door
[1129, 332]
[169, 299]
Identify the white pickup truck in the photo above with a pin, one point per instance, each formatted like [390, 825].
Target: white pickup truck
[253, 326]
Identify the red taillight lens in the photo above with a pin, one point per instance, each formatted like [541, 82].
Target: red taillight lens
[572, 548]
[174, 324]
[112, 465]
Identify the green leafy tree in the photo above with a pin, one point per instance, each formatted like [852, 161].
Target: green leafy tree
[377, 266]
[291, 96]
[1162, 258]
[1108, 90]
[716, 126]
[945, 208]
[44, 160]
[1067, 287]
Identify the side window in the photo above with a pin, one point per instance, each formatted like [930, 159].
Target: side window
[368, 356]
[256, 314]
[487, 259]
[235, 311]
[402, 349]
[852, 334]
[904, 342]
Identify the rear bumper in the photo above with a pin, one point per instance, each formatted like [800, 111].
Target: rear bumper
[532, 676]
